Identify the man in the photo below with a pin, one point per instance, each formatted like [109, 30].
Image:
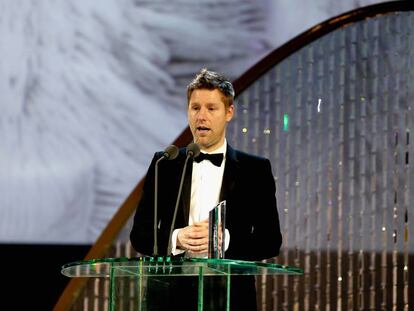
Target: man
[245, 181]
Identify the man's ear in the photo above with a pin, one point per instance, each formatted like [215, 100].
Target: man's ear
[230, 113]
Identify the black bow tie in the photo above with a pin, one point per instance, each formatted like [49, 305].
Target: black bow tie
[215, 158]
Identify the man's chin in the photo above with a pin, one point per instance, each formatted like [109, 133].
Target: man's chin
[203, 143]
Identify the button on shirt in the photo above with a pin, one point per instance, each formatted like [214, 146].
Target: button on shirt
[205, 192]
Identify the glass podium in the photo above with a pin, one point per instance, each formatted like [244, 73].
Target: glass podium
[165, 283]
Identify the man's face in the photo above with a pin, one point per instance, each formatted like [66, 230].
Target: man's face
[208, 117]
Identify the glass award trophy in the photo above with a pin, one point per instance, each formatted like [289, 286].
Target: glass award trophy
[216, 231]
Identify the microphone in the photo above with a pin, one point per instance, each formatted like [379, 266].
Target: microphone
[193, 150]
[170, 153]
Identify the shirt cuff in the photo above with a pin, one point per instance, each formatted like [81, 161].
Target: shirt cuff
[226, 239]
[174, 249]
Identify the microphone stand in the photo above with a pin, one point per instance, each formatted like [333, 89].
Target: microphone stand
[176, 205]
[170, 153]
[193, 150]
[155, 250]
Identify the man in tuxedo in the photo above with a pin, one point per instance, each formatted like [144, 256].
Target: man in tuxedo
[244, 181]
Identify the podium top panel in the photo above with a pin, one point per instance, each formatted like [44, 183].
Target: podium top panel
[172, 266]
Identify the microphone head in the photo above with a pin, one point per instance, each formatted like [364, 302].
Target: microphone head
[171, 152]
[193, 150]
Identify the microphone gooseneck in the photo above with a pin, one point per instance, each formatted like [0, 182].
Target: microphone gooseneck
[170, 153]
[193, 150]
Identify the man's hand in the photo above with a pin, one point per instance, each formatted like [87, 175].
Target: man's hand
[194, 238]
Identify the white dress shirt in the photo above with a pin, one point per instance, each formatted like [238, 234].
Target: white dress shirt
[206, 183]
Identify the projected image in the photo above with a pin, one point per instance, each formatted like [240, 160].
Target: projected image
[89, 91]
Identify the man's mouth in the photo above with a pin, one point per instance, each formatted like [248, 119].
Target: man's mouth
[202, 129]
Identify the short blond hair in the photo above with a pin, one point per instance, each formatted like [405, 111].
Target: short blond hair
[212, 80]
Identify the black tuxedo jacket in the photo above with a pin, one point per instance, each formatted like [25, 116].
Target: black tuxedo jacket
[251, 212]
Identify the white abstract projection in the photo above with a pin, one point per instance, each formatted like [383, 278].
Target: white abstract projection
[90, 89]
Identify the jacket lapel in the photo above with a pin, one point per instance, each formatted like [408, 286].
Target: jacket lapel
[231, 171]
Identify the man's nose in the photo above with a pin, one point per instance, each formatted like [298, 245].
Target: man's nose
[202, 113]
